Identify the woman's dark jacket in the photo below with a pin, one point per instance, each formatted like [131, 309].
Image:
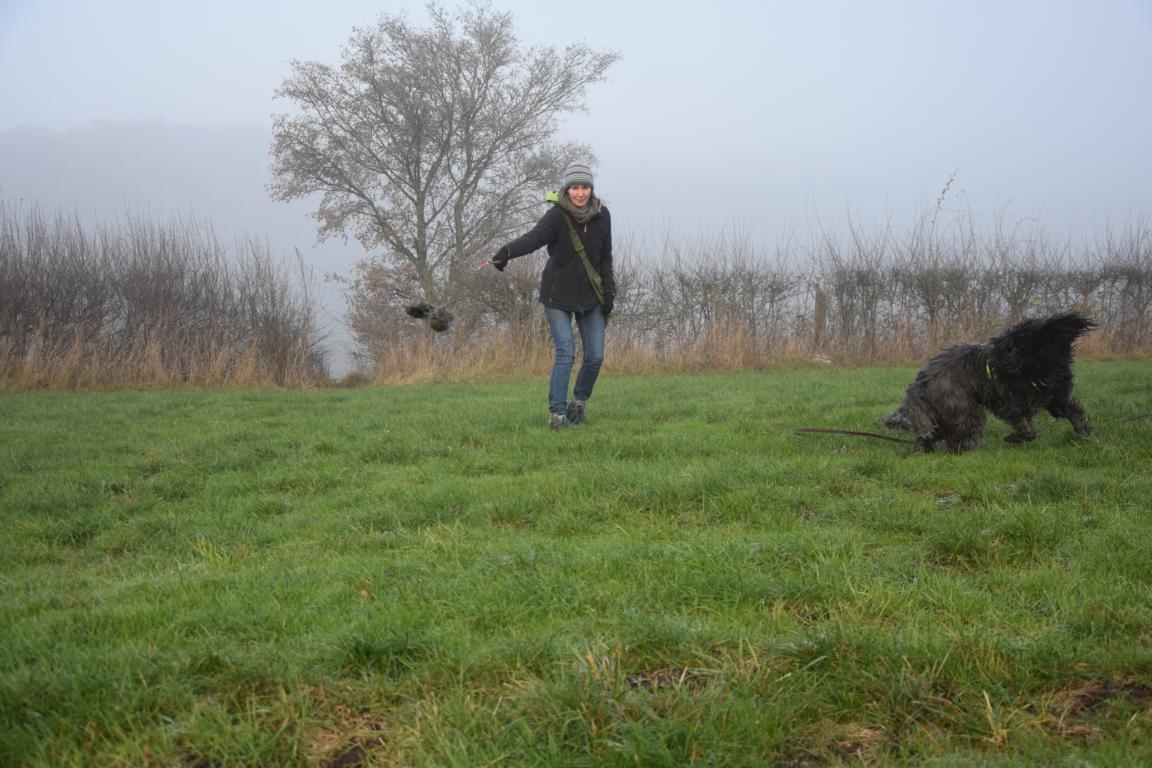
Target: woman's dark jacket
[564, 284]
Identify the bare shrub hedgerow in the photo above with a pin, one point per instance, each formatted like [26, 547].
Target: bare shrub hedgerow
[146, 303]
[895, 294]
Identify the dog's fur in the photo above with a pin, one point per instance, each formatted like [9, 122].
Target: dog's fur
[1015, 375]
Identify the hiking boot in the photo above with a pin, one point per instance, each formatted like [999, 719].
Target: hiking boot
[576, 413]
[558, 421]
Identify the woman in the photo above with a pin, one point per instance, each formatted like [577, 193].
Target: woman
[577, 284]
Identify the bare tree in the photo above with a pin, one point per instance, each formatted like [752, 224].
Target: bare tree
[429, 145]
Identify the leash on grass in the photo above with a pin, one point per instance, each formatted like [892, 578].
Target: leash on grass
[877, 435]
[890, 438]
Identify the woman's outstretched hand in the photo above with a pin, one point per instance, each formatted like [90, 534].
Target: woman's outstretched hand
[499, 261]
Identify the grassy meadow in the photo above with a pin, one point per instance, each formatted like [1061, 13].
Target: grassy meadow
[424, 575]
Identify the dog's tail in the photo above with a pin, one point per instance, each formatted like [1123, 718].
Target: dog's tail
[1035, 345]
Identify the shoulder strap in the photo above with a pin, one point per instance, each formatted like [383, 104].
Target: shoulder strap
[578, 244]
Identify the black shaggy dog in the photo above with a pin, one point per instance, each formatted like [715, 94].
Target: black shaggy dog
[1025, 369]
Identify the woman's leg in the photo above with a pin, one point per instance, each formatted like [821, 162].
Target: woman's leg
[592, 328]
[564, 342]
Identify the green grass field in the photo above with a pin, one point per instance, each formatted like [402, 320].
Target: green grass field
[427, 576]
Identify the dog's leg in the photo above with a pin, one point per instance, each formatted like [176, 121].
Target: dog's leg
[962, 424]
[1022, 430]
[1017, 414]
[1071, 409]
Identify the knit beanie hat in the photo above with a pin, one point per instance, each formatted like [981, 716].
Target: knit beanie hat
[576, 173]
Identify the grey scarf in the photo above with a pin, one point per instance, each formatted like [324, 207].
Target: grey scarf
[581, 215]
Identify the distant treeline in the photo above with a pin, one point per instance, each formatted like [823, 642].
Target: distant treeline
[158, 304]
[724, 302]
[882, 296]
[147, 303]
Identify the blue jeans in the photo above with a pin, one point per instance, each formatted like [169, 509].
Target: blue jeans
[591, 325]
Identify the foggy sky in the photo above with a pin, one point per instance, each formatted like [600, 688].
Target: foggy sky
[773, 116]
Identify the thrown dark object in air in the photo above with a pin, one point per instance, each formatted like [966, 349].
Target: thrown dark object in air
[1014, 375]
[438, 317]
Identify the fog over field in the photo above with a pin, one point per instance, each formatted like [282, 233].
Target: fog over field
[783, 119]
